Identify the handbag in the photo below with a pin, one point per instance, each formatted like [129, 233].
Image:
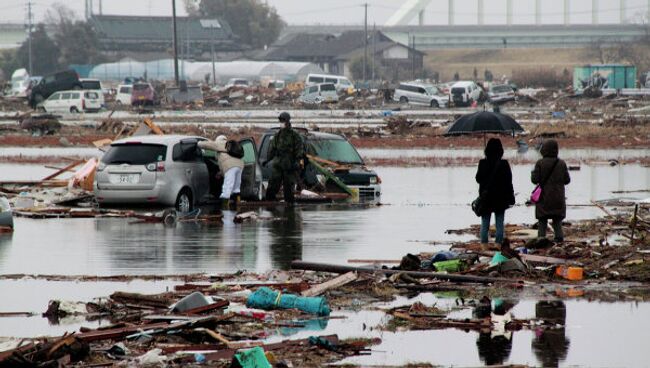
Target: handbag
[537, 192]
[479, 203]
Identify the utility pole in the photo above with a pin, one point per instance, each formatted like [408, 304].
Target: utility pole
[175, 42]
[29, 34]
[365, 43]
[214, 71]
[374, 50]
[413, 59]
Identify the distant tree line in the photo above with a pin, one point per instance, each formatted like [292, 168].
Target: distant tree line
[72, 41]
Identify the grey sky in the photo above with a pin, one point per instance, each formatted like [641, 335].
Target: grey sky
[351, 12]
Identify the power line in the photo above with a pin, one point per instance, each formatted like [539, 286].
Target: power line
[321, 10]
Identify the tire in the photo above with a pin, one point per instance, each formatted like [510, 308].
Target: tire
[403, 100]
[74, 110]
[184, 201]
[434, 104]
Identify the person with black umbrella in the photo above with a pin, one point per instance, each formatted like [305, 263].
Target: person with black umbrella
[495, 189]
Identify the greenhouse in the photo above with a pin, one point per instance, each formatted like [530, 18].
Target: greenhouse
[198, 71]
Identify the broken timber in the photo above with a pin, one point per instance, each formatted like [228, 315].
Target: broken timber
[333, 283]
[322, 267]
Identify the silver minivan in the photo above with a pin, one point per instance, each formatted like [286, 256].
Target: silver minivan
[422, 94]
[319, 93]
[168, 170]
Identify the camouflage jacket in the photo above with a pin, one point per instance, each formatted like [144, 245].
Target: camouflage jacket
[286, 149]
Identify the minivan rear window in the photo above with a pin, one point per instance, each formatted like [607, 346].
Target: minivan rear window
[458, 90]
[327, 87]
[125, 90]
[91, 85]
[135, 154]
[91, 95]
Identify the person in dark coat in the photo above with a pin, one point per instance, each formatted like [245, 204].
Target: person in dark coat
[495, 188]
[552, 174]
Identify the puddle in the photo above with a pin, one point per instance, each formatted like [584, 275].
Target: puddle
[595, 335]
[29, 295]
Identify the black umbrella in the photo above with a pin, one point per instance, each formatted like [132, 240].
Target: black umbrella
[484, 122]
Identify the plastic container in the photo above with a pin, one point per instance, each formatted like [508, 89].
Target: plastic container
[570, 273]
[454, 265]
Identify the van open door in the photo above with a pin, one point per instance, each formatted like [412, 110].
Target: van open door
[251, 177]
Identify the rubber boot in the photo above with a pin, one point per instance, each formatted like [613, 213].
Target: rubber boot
[224, 204]
[234, 201]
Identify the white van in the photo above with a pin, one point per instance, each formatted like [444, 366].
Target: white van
[73, 101]
[93, 85]
[123, 95]
[342, 83]
[319, 93]
[464, 93]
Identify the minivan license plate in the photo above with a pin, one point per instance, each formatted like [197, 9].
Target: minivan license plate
[125, 179]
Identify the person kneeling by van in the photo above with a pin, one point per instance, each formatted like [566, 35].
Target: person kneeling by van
[230, 166]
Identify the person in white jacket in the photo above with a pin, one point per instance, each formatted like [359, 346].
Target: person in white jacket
[231, 168]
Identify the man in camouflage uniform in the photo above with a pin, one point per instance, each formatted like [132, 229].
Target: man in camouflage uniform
[287, 154]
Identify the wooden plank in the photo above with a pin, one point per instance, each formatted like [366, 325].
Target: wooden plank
[207, 308]
[154, 128]
[61, 171]
[102, 142]
[341, 280]
[542, 259]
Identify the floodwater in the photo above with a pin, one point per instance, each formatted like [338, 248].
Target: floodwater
[419, 205]
[594, 335]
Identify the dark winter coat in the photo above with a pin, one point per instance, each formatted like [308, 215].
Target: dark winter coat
[499, 194]
[552, 202]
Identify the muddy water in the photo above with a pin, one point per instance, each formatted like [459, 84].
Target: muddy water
[420, 204]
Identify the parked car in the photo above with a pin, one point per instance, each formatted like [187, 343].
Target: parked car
[324, 92]
[464, 93]
[342, 83]
[94, 85]
[332, 147]
[168, 170]
[123, 95]
[60, 81]
[72, 101]
[142, 94]
[237, 82]
[501, 93]
[422, 94]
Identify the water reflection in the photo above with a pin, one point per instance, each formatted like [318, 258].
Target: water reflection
[551, 345]
[495, 344]
[286, 236]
